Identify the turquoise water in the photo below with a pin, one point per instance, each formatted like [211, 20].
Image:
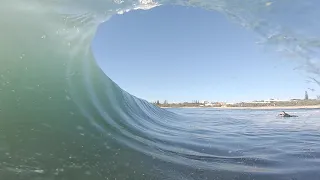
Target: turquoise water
[62, 118]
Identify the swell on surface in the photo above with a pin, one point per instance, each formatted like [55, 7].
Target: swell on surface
[52, 89]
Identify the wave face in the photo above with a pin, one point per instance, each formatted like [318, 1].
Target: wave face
[61, 117]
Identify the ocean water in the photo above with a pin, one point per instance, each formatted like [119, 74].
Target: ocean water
[62, 118]
[201, 144]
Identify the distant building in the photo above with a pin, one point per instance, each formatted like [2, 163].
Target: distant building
[230, 103]
[306, 96]
[261, 102]
[203, 102]
[276, 100]
[208, 104]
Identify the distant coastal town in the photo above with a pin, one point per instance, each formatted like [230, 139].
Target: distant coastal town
[264, 104]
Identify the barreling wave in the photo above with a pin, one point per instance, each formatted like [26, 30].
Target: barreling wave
[53, 92]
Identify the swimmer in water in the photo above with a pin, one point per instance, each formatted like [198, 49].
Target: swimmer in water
[284, 114]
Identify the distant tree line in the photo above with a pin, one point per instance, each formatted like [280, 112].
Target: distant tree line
[294, 102]
[165, 103]
[308, 102]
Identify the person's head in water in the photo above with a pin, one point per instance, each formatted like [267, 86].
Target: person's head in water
[283, 113]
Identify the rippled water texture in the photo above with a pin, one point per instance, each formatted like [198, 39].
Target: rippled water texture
[62, 118]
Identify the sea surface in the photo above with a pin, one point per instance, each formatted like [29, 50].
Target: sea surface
[63, 118]
[202, 144]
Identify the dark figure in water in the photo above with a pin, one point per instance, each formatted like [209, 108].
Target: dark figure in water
[284, 114]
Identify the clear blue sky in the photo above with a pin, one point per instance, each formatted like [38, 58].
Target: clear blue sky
[184, 54]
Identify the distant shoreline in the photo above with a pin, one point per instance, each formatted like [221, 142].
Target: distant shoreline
[256, 108]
